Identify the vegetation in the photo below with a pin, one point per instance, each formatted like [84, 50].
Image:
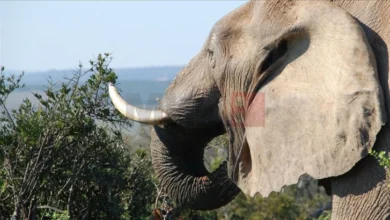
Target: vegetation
[71, 158]
[383, 159]
[66, 158]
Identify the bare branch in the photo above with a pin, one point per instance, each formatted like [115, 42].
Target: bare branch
[52, 208]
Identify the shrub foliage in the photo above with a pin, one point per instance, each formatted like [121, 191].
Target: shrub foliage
[65, 157]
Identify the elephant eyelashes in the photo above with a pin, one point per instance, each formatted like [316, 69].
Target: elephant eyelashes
[273, 55]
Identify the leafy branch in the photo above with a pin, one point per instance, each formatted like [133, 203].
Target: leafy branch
[383, 159]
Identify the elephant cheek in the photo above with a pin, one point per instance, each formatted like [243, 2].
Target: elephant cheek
[255, 116]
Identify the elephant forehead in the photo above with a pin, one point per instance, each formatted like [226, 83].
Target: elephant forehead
[233, 29]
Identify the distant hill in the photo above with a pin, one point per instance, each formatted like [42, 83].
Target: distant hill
[157, 74]
[138, 86]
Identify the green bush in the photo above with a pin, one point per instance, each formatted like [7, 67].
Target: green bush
[66, 159]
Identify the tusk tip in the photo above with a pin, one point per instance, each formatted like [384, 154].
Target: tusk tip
[111, 88]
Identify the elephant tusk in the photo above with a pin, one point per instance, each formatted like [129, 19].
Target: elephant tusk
[152, 117]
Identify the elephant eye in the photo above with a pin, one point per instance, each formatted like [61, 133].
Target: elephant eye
[210, 52]
[273, 55]
[211, 58]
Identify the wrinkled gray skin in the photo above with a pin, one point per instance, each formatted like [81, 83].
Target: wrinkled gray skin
[195, 104]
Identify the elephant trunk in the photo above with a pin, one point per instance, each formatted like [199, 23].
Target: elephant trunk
[180, 169]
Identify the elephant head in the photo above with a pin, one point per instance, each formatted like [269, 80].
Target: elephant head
[294, 85]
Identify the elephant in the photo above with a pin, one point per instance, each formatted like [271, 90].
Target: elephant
[300, 87]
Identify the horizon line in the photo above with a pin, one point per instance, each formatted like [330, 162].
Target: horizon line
[76, 68]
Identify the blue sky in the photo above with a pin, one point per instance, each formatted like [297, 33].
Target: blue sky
[44, 35]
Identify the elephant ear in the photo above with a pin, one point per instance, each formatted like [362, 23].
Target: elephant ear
[319, 111]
